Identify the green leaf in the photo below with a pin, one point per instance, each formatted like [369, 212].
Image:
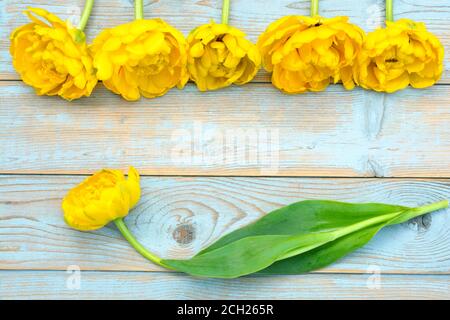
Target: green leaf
[306, 217]
[324, 255]
[246, 255]
[301, 237]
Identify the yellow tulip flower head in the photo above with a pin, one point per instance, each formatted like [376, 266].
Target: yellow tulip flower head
[404, 53]
[307, 53]
[220, 55]
[101, 198]
[52, 56]
[143, 57]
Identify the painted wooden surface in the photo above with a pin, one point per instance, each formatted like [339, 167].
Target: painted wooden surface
[179, 216]
[250, 130]
[163, 285]
[216, 161]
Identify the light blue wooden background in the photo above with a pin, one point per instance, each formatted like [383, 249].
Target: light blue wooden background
[346, 145]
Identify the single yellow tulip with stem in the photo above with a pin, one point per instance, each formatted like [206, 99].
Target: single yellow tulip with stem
[104, 197]
[145, 57]
[308, 53]
[219, 55]
[401, 54]
[52, 56]
[297, 238]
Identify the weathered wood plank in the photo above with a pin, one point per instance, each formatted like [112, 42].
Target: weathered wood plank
[145, 285]
[177, 217]
[252, 16]
[250, 130]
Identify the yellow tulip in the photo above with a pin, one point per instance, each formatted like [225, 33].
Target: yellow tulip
[307, 53]
[101, 198]
[52, 56]
[143, 57]
[404, 53]
[220, 55]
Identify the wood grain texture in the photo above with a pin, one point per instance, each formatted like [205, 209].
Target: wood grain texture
[240, 131]
[145, 285]
[176, 217]
[252, 16]
[245, 131]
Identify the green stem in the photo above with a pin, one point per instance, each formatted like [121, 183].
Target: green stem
[333, 235]
[120, 224]
[432, 207]
[314, 8]
[389, 10]
[139, 9]
[86, 14]
[225, 11]
[419, 211]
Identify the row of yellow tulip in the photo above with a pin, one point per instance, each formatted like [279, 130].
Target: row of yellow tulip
[149, 57]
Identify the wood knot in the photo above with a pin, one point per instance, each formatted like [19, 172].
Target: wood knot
[184, 234]
[422, 223]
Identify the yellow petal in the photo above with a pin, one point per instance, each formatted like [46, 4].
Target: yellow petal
[154, 42]
[112, 44]
[197, 50]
